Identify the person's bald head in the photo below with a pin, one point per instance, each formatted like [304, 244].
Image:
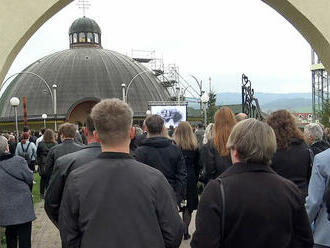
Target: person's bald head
[241, 116]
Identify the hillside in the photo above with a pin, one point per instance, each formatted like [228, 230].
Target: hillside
[298, 102]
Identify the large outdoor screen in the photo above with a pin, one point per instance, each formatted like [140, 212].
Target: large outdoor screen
[172, 115]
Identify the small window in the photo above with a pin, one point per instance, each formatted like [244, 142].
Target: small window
[90, 37]
[82, 37]
[96, 38]
[70, 38]
[75, 38]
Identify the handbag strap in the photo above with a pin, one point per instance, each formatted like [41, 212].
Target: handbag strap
[223, 212]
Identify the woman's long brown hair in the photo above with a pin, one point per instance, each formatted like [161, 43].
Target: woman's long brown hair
[285, 128]
[224, 121]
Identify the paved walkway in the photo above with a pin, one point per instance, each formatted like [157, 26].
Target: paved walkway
[46, 235]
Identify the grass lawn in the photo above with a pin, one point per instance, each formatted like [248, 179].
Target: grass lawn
[36, 199]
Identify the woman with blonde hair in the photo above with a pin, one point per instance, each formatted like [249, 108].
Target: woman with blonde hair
[187, 142]
[217, 157]
[292, 159]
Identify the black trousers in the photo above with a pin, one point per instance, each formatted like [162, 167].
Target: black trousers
[43, 184]
[21, 232]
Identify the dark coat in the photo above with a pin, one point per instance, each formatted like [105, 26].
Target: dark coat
[193, 167]
[63, 166]
[16, 204]
[319, 146]
[42, 152]
[116, 201]
[294, 164]
[12, 146]
[261, 208]
[161, 154]
[66, 147]
[140, 138]
[213, 164]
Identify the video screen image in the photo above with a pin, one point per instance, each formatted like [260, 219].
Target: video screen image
[172, 115]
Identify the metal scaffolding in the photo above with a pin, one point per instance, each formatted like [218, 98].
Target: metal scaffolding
[320, 85]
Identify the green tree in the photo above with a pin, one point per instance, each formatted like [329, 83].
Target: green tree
[211, 107]
[324, 114]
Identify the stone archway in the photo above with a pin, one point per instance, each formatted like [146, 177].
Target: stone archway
[79, 112]
[20, 19]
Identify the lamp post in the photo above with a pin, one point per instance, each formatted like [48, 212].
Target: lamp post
[178, 91]
[55, 106]
[123, 89]
[130, 83]
[14, 102]
[44, 117]
[205, 99]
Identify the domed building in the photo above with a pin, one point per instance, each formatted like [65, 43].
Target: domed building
[82, 75]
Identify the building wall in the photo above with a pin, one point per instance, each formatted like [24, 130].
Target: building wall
[20, 19]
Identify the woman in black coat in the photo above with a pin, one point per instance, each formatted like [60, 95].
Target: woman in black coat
[187, 142]
[216, 156]
[249, 205]
[292, 159]
[48, 141]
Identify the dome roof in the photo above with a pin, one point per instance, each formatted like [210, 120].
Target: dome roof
[82, 74]
[84, 24]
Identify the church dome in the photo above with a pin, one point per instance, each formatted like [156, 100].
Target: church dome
[81, 75]
[84, 32]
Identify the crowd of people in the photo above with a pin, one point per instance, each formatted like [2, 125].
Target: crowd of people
[112, 184]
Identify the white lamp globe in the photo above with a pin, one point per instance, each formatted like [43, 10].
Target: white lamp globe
[14, 101]
[205, 98]
[44, 116]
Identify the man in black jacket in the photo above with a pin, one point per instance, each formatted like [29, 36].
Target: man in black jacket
[160, 153]
[67, 132]
[63, 166]
[115, 201]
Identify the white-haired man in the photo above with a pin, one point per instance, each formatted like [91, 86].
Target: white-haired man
[314, 137]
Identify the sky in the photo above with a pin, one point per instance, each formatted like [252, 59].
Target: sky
[220, 39]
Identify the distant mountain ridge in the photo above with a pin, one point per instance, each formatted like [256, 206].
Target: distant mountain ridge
[298, 102]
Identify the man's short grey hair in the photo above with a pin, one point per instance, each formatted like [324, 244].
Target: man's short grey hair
[314, 130]
[3, 144]
[112, 120]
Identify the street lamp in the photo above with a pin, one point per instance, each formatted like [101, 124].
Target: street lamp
[205, 99]
[44, 117]
[148, 112]
[178, 91]
[14, 102]
[130, 83]
[55, 105]
[123, 88]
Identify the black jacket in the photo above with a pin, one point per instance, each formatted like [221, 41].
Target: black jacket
[294, 164]
[213, 164]
[261, 208]
[42, 152]
[161, 154]
[116, 201]
[327, 200]
[63, 166]
[319, 146]
[66, 147]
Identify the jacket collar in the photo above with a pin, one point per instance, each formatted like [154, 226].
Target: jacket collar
[114, 155]
[68, 141]
[242, 167]
[5, 156]
[94, 144]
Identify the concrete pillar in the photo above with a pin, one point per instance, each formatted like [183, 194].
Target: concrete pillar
[19, 20]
